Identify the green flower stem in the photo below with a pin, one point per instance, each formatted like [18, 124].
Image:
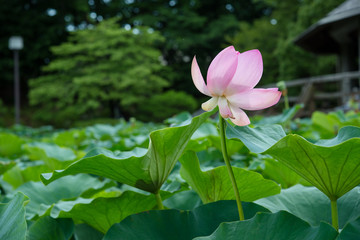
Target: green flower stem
[286, 100]
[159, 201]
[222, 124]
[334, 214]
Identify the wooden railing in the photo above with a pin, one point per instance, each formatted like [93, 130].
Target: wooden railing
[346, 86]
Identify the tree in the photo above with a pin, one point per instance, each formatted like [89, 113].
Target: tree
[97, 71]
[190, 27]
[274, 33]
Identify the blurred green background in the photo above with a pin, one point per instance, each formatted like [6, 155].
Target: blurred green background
[102, 59]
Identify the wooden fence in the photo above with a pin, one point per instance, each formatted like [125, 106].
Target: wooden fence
[344, 86]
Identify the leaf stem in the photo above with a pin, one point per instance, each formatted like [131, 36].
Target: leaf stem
[159, 201]
[286, 101]
[334, 214]
[222, 125]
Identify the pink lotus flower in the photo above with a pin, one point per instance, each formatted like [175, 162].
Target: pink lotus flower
[231, 79]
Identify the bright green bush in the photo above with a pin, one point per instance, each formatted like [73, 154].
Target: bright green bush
[101, 72]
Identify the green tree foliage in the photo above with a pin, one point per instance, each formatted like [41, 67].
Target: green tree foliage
[190, 27]
[98, 71]
[273, 35]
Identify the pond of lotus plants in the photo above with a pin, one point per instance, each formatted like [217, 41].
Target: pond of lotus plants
[192, 177]
[296, 179]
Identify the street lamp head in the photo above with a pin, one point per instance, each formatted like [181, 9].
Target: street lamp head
[16, 43]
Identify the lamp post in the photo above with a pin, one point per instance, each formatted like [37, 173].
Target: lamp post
[16, 44]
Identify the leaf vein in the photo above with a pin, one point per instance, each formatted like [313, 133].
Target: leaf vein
[318, 174]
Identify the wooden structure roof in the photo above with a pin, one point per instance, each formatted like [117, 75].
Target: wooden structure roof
[338, 27]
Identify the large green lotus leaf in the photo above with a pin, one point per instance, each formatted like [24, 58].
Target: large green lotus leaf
[198, 145]
[233, 146]
[205, 130]
[42, 198]
[52, 155]
[12, 218]
[269, 226]
[141, 168]
[129, 143]
[209, 133]
[103, 131]
[185, 200]
[332, 165]
[215, 184]
[85, 232]
[72, 138]
[311, 205]
[210, 158]
[21, 174]
[179, 225]
[280, 173]
[326, 124]
[257, 139]
[49, 228]
[101, 213]
[178, 118]
[286, 116]
[351, 231]
[6, 165]
[200, 140]
[10, 145]
[13, 177]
